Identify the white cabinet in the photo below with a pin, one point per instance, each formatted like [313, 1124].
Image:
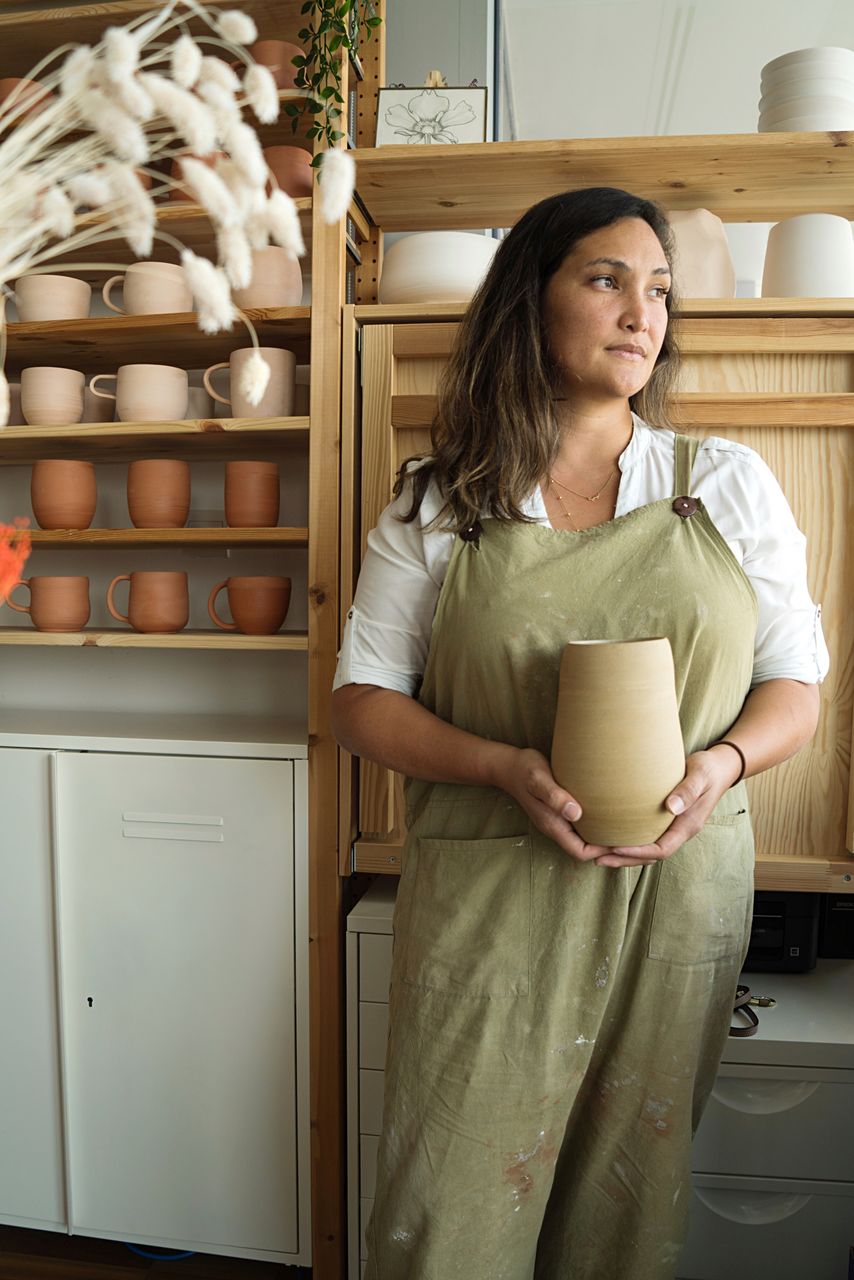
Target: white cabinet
[32, 1183]
[181, 927]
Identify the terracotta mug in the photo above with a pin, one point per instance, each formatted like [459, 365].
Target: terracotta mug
[147, 392]
[56, 604]
[150, 288]
[278, 399]
[251, 495]
[291, 168]
[276, 280]
[277, 56]
[617, 742]
[50, 297]
[156, 601]
[51, 397]
[63, 493]
[158, 493]
[258, 605]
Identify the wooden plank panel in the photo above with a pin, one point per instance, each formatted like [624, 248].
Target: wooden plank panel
[690, 308]
[740, 177]
[113, 539]
[348, 768]
[772, 334]
[117, 441]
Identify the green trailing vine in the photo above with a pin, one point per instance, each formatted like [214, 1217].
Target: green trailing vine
[332, 26]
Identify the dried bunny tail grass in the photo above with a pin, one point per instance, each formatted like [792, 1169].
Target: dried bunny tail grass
[261, 93]
[281, 219]
[235, 255]
[241, 142]
[58, 212]
[121, 53]
[132, 97]
[185, 61]
[77, 71]
[338, 181]
[210, 191]
[134, 213]
[255, 378]
[211, 291]
[187, 114]
[236, 27]
[215, 71]
[119, 131]
[89, 189]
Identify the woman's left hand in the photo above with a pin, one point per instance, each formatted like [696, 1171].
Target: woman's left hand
[708, 774]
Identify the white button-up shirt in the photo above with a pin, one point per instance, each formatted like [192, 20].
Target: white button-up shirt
[387, 633]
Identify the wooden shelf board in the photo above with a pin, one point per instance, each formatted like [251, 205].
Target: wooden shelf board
[102, 343]
[742, 177]
[127, 639]
[27, 34]
[691, 308]
[118, 441]
[113, 539]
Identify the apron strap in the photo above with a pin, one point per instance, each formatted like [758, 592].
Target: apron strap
[684, 453]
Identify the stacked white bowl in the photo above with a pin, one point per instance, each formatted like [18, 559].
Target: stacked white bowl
[810, 89]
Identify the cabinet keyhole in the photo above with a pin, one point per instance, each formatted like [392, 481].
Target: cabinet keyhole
[89, 1001]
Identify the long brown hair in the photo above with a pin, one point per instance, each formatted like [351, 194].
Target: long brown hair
[495, 433]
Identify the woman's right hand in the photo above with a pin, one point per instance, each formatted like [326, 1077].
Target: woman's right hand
[526, 775]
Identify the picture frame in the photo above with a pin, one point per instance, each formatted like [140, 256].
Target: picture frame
[422, 115]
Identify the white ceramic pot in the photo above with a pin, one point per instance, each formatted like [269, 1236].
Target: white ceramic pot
[810, 256]
[436, 266]
[800, 108]
[830, 60]
[818, 123]
[811, 88]
[704, 266]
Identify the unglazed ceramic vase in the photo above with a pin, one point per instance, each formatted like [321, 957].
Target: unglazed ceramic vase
[704, 266]
[276, 280]
[251, 494]
[150, 288]
[63, 493]
[436, 266]
[56, 604]
[51, 397]
[617, 743]
[277, 56]
[258, 605]
[157, 602]
[291, 168]
[809, 256]
[147, 392]
[51, 297]
[158, 493]
[276, 402]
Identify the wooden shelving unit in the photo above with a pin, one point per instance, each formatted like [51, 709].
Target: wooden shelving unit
[282, 641]
[138, 539]
[209, 438]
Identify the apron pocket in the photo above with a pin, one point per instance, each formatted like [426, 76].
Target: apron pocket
[704, 896]
[469, 926]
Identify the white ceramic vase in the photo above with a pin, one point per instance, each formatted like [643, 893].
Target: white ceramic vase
[436, 266]
[809, 256]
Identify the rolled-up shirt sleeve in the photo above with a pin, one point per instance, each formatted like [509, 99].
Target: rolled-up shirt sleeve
[387, 630]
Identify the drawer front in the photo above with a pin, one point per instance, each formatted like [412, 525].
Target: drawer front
[791, 1126]
[374, 966]
[371, 1101]
[367, 1166]
[749, 1227]
[373, 1035]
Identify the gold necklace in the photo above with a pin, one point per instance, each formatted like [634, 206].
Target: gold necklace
[573, 526]
[596, 495]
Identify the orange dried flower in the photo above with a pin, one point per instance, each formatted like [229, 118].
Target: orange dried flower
[14, 550]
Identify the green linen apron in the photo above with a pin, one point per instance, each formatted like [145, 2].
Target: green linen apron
[555, 1026]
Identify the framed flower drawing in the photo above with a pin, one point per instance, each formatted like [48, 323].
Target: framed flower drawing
[422, 116]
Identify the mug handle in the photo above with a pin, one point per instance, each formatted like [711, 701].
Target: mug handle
[207, 385]
[123, 577]
[226, 626]
[107, 290]
[19, 608]
[105, 395]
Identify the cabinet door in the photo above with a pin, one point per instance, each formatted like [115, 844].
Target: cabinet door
[177, 915]
[32, 1190]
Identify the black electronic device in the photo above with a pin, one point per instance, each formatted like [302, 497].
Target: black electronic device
[784, 934]
[836, 926]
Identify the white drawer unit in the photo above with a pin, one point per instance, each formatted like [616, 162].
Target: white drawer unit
[369, 946]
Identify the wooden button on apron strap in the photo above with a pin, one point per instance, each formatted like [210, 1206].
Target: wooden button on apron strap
[685, 507]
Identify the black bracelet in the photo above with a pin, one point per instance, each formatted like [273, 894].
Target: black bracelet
[725, 742]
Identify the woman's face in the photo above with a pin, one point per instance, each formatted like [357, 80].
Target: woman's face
[604, 311]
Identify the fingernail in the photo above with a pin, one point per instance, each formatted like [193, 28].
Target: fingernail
[676, 804]
[571, 811]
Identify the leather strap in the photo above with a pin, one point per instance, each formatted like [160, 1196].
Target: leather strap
[742, 997]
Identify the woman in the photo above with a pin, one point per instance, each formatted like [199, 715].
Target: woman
[558, 1009]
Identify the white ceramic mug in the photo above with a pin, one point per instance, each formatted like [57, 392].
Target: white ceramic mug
[150, 288]
[278, 399]
[809, 256]
[48, 297]
[147, 392]
[51, 397]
